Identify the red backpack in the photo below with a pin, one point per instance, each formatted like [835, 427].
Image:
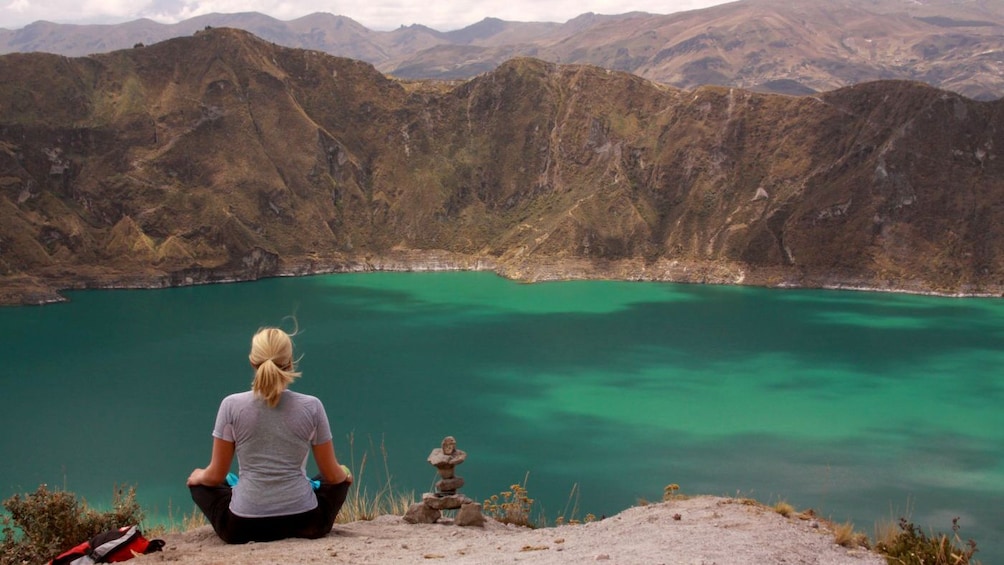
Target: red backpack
[109, 547]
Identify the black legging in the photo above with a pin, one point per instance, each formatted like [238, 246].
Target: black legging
[317, 523]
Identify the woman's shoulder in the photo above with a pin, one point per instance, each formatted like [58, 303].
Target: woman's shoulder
[302, 398]
[238, 397]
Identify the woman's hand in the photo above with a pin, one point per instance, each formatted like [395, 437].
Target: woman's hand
[196, 477]
[331, 471]
[219, 465]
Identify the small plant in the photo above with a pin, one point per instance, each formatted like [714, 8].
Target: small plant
[913, 547]
[175, 522]
[360, 504]
[669, 492]
[807, 514]
[568, 515]
[844, 534]
[784, 509]
[47, 522]
[560, 520]
[512, 506]
[195, 519]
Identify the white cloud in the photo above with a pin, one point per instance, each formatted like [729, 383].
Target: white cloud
[18, 6]
[443, 15]
[112, 8]
[169, 11]
[18, 13]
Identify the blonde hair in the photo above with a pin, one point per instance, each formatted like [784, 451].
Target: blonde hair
[274, 367]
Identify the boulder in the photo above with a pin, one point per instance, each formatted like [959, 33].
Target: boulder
[419, 513]
[470, 515]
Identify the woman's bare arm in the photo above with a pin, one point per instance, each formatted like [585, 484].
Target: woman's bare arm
[327, 464]
[219, 465]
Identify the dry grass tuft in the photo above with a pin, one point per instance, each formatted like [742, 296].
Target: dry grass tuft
[784, 509]
[844, 534]
[886, 532]
[195, 519]
[360, 504]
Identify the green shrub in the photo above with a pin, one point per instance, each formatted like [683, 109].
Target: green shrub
[42, 524]
[912, 547]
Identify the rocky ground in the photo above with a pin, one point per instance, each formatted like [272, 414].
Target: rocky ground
[702, 530]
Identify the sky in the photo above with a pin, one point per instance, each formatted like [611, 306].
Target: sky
[381, 15]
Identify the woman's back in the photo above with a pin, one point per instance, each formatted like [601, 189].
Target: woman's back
[271, 430]
[272, 445]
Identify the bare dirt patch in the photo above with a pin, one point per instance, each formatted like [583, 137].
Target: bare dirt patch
[702, 530]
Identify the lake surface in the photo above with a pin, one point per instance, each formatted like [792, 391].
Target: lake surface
[862, 406]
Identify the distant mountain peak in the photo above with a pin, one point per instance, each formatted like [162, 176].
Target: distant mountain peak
[801, 46]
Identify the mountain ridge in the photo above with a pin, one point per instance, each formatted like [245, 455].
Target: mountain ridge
[222, 156]
[804, 46]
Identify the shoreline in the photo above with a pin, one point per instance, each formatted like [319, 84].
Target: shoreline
[29, 290]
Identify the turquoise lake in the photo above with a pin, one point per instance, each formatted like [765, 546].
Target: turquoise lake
[863, 406]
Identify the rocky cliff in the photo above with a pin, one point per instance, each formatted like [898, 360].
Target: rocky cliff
[221, 156]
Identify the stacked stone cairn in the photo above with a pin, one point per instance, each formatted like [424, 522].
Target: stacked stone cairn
[446, 497]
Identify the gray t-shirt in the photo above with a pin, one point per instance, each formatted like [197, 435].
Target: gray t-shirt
[272, 445]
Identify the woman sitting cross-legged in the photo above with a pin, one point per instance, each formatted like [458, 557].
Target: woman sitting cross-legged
[271, 430]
